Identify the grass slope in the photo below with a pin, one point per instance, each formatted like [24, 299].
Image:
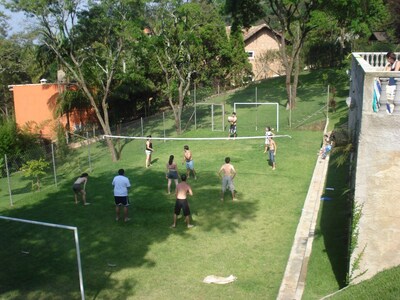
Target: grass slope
[250, 239]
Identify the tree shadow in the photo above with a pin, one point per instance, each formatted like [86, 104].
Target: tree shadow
[106, 245]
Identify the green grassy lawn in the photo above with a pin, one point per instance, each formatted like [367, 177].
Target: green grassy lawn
[250, 239]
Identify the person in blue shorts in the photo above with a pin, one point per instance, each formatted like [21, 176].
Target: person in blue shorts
[188, 159]
[121, 186]
[272, 152]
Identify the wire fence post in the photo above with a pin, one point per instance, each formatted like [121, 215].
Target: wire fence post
[88, 144]
[8, 180]
[54, 164]
[256, 110]
[195, 107]
[163, 121]
[223, 116]
[212, 116]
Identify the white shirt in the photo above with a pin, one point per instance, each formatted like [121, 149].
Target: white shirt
[121, 185]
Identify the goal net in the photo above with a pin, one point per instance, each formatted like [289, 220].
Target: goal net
[209, 115]
[39, 261]
[257, 115]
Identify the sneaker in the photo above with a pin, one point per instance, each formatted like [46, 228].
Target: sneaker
[190, 226]
[87, 203]
[172, 226]
[127, 219]
[117, 219]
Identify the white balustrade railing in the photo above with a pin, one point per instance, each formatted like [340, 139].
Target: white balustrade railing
[368, 67]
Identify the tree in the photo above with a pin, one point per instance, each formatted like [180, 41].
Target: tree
[291, 19]
[35, 169]
[393, 6]
[351, 19]
[89, 44]
[182, 46]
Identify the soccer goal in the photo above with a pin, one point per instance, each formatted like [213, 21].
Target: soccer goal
[209, 114]
[40, 249]
[261, 117]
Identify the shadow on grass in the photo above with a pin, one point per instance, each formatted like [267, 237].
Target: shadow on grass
[41, 262]
[335, 220]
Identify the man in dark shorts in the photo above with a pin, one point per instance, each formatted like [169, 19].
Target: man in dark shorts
[182, 189]
[232, 129]
[121, 185]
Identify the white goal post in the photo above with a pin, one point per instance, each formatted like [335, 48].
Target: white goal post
[212, 115]
[74, 229]
[260, 103]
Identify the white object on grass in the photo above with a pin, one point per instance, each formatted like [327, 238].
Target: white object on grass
[219, 279]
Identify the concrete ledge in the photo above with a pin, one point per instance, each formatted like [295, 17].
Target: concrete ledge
[293, 282]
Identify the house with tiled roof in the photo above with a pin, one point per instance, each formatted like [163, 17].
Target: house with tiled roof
[262, 46]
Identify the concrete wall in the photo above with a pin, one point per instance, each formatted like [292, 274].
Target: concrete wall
[376, 136]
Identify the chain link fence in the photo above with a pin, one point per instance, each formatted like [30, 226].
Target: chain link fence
[49, 165]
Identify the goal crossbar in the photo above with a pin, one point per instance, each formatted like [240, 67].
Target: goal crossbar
[261, 103]
[74, 229]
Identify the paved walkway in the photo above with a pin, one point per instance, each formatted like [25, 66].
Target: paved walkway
[293, 282]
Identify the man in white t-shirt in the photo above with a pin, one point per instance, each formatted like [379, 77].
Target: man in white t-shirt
[121, 185]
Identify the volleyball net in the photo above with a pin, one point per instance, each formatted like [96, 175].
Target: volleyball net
[195, 138]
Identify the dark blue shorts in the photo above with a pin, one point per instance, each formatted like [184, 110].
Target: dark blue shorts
[121, 200]
[76, 188]
[182, 204]
[172, 174]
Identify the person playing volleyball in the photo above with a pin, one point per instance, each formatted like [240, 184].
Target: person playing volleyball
[232, 129]
[268, 135]
[229, 173]
[187, 158]
[121, 186]
[172, 173]
[182, 189]
[149, 150]
[78, 189]
[272, 152]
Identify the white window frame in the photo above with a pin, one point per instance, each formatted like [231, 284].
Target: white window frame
[252, 54]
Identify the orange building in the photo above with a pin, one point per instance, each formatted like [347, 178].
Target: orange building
[35, 106]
